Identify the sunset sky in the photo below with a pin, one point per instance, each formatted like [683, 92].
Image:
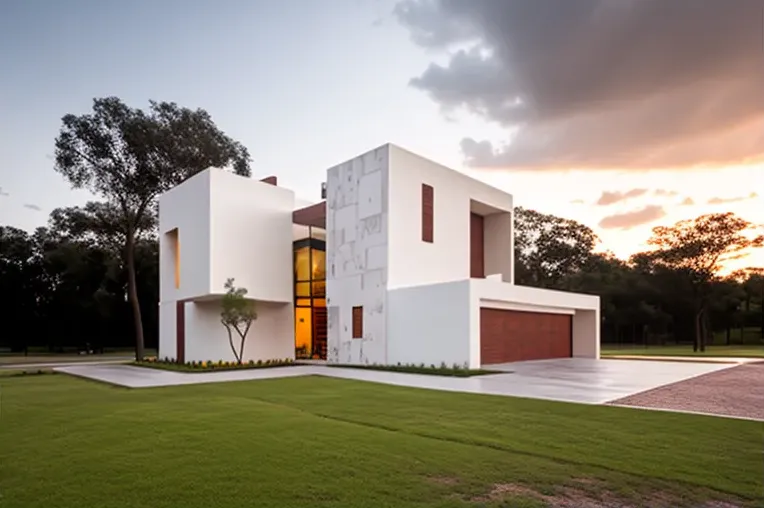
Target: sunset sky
[621, 114]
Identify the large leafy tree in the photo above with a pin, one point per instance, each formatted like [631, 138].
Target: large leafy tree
[21, 282]
[697, 249]
[129, 156]
[549, 248]
[752, 285]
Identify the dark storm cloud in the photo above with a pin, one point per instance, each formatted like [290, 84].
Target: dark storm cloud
[628, 220]
[737, 199]
[610, 198]
[600, 83]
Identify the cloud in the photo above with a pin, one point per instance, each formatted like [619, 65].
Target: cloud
[632, 219]
[577, 202]
[609, 198]
[665, 192]
[688, 202]
[3, 193]
[32, 206]
[599, 84]
[724, 201]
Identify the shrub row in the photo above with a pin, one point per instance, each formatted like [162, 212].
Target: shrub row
[210, 365]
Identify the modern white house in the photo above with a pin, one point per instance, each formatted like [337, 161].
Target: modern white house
[406, 261]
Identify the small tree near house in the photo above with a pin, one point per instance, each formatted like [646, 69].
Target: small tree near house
[237, 314]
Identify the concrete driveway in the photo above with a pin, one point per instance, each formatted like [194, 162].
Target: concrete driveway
[598, 381]
[570, 379]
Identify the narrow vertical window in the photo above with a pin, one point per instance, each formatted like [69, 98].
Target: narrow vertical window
[357, 322]
[172, 237]
[428, 200]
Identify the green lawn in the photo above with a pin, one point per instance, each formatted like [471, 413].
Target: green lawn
[732, 351]
[41, 357]
[315, 441]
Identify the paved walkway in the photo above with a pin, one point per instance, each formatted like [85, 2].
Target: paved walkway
[578, 380]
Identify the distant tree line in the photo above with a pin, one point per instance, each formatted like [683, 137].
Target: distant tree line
[672, 293]
[65, 286]
[89, 279]
[64, 290]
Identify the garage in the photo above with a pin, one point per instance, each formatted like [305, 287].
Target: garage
[511, 336]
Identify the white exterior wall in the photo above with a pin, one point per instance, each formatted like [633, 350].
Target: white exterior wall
[356, 257]
[227, 226]
[251, 237]
[270, 337]
[411, 261]
[438, 323]
[187, 208]
[498, 240]
[429, 324]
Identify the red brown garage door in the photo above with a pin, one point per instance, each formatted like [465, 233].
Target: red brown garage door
[511, 336]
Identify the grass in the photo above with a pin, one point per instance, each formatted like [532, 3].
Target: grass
[724, 351]
[211, 366]
[43, 357]
[422, 369]
[314, 441]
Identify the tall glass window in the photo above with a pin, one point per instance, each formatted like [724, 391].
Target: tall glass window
[310, 294]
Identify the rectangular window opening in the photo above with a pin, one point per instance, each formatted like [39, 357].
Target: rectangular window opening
[172, 237]
[428, 211]
[358, 322]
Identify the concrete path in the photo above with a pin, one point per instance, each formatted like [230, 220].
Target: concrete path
[570, 379]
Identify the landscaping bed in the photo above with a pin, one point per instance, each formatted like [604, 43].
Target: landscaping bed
[432, 370]
[211, 366]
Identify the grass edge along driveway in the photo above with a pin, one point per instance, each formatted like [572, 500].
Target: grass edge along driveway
[332, 442]
[749, 351]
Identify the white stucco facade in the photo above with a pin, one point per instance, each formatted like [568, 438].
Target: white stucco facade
[416, 301]
[425, 307]
[214, 226]
[357, 256]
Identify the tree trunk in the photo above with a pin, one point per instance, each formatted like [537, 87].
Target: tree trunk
[696, 341]
[132, 294]
[230, 340]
